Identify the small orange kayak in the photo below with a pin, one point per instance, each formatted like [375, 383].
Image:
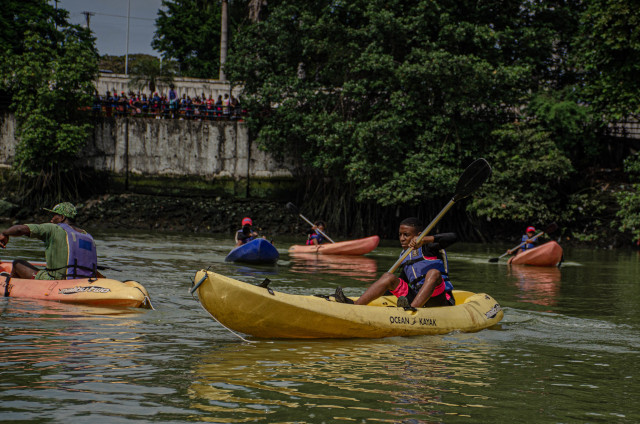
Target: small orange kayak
[87, 291]
[350, 247]
[548, 254]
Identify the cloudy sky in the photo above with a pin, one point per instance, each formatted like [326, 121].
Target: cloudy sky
[109, 23]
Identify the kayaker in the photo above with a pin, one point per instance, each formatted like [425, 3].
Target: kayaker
[529, 241]
[314, 237]
[424, 280]
[246, 233]
[70, 251]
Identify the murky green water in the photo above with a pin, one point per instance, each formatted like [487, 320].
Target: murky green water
[566, 351]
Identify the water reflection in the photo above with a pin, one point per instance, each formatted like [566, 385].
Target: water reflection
[538, 285]
[256, 271]
[37, 309]
[359, 268]
[175, 364]
[47, 345]
[282, 381]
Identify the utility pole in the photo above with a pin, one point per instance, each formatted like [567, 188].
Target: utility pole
[126, 57]
[223, 39]
[56, 22]
[88, 16]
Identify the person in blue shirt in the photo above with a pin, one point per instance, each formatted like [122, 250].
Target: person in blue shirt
[528, 239]
[314, 237]
[424, 279]
[246, 234]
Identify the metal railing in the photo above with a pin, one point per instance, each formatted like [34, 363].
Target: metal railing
[167, 110]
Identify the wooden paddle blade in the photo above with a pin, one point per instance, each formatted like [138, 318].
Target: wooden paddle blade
[472, 178]
[494, 260]
[293, 208]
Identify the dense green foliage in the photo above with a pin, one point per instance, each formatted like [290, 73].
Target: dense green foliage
[149, 73]
[116, 64]
[384, 103]
[629, 201]
[528, 173]
[189, 32]
[572, 125]
[396, 97]
[608, 47]
[48, 70]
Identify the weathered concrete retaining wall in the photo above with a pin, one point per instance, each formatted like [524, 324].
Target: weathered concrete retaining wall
[179, 148]
[209, 151]
[192, 87]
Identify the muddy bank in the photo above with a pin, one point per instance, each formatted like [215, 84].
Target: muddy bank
[146, 212]
[224, 216]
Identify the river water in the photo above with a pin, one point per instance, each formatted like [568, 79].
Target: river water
[566, 351]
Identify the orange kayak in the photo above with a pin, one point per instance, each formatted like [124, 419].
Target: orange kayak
[548, 254]
[87, 291]
[349, 247]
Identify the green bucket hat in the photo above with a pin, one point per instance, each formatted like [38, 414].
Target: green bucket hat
[64, 209]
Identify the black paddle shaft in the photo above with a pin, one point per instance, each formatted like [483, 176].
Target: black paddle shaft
[471, 179]
[295, 210]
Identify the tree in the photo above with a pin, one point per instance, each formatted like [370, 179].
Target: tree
[394, 97]
[529, 172]
[608, 52]
[113, 63]
[49, 72]
[572, 124]
[116, 64]
[629, 200]
[149, 72]
[189, 32]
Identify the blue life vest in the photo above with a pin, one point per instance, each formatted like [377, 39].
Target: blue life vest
[82, 257]
[244, 240]
[445, 274]
[316, 236]
[526, 246]
[416, 266]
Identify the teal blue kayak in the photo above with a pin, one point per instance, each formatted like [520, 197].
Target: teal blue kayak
[259, 251]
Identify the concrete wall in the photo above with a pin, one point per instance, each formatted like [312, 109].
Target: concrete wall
[179, 148]
[192, 87]
[166, 147]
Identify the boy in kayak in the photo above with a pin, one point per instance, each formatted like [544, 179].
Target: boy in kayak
[315, 237]
[246, 233]
[70, 251]
[529, 241]
[424, 281]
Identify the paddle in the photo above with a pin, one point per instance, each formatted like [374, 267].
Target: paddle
[550, 229]
[471, 179]
[295, 210]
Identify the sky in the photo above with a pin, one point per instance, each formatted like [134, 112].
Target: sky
[109, 23]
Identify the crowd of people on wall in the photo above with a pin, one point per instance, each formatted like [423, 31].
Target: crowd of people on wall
[167, 106]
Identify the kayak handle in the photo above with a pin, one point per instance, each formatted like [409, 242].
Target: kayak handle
[195, 286]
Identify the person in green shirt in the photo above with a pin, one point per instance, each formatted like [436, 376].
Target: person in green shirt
[70, 252]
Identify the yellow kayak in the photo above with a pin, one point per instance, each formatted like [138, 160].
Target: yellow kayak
[265, 313]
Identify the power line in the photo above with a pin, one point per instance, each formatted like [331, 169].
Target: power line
[122, 16]
[88, 16]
